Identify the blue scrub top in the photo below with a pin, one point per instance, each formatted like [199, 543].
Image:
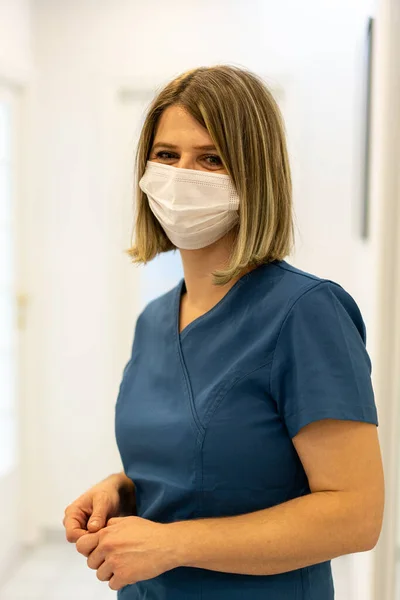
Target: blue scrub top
[205, 418]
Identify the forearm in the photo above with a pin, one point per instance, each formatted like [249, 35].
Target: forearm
[298, 533]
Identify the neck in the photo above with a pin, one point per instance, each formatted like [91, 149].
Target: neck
[198, 266]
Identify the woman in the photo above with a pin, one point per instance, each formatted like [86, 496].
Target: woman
[245, 419]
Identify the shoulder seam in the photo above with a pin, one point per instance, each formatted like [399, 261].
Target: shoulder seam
[307, 275]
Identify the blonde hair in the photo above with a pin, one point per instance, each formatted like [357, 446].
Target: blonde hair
[246, 126]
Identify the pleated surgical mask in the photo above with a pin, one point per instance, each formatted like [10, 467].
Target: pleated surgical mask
[195, 208]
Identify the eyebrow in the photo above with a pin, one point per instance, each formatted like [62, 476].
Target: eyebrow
[165, 145]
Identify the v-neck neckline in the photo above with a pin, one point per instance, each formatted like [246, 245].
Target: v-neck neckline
[179, 292]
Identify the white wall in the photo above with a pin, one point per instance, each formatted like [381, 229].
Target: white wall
[15, 65]
[15, 37]
[84, 51]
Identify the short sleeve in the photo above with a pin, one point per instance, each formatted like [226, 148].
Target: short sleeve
[320, 367]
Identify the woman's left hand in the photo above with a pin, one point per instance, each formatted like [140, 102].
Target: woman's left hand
[128, 550]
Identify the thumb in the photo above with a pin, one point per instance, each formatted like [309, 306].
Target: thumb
[101, 505]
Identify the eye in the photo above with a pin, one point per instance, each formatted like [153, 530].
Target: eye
[215, 160]
[212, 161]
[161, 155]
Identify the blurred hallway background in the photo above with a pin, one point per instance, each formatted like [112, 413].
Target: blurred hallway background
[75, 79]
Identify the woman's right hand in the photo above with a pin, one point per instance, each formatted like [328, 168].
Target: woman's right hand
[112, 497]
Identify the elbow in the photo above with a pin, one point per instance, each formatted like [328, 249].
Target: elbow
[373, 538]
[362, 525]
[368, 514]
[364, 541]
[369, 532]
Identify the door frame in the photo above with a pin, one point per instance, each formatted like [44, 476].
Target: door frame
[20, 83]
[386, 221]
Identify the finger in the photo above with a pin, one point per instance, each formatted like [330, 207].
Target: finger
[75, 511]
[104, 572]
[95, 558]
[73, 529]
[114, 521]
[87, 543]
[101, 508]
[115, 583]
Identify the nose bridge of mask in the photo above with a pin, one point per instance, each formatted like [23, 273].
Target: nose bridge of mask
[189, 188]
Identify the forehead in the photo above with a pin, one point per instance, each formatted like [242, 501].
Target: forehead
[176, 121]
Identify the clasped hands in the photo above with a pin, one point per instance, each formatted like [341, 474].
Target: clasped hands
[127, 550]
[123, 550]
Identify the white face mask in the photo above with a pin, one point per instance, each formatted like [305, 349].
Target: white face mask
[195, 208]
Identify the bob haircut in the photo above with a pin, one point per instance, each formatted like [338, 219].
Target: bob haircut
[247, 128]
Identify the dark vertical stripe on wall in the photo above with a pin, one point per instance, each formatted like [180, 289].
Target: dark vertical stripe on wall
[365, 206]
